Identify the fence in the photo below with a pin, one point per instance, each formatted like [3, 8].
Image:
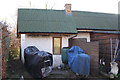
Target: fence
[106, 48]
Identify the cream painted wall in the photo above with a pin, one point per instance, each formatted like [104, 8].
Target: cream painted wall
[45, 43]
[65, 41]
[84, 35]
[22, 46]
[42, 43]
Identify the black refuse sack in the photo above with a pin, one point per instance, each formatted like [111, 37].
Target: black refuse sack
[38, 63]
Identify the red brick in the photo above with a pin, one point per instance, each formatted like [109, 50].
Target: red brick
[92, 49]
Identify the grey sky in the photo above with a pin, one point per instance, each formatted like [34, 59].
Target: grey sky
[8, 8]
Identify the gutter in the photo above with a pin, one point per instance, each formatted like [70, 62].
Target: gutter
[109, 32]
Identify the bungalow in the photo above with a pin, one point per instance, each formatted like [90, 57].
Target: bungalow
[50, 30]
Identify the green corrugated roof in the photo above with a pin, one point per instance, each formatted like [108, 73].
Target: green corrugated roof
[43, 20]
[93, 20]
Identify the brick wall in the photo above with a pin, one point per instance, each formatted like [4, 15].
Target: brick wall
[92, 49]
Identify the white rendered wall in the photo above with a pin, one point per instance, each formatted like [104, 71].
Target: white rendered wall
[22, 46]
[84, 35]
[43, 43]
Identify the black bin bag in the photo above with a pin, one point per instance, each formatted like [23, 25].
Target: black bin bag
[38, 63]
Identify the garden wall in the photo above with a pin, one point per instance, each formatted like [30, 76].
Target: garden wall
[92, 49]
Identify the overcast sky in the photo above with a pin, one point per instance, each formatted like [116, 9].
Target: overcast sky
[8, 8]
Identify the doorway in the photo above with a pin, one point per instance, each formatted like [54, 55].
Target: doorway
[57, 43]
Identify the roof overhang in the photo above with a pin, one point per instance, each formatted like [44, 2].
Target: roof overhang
[100, 31]
[46, 34]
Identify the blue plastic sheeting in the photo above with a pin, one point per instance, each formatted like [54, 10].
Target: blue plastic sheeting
[78, 61]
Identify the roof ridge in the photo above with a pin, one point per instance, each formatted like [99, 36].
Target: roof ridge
[96, 12]
[64, 10]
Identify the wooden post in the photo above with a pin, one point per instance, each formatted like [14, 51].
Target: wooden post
[116, 47]
[111, 49]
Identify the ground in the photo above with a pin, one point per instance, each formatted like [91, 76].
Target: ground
[15, 69]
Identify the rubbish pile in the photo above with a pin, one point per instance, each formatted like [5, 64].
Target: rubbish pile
[38, 63]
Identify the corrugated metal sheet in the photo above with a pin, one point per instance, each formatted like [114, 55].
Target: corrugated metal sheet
[92, 20]
[43, 20]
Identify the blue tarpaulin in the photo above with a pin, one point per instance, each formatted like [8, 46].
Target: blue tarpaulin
[78, 61]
